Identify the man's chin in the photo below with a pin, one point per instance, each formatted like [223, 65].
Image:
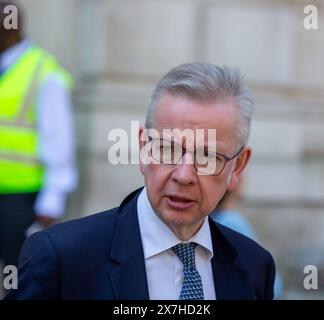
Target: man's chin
[177, 220]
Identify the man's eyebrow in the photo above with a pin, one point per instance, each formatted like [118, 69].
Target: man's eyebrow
[206, 145]
[174, 138]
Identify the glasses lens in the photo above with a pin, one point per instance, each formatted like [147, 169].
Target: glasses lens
[169, 152]
[210, 164]
[166, 151]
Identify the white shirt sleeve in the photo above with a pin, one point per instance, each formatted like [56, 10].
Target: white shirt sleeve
[56, 147]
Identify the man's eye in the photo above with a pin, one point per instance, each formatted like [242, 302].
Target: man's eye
[209, 155]
[166, 146]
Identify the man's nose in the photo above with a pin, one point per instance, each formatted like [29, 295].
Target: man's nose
[185, 172]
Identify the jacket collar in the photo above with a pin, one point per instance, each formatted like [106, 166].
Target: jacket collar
[230, 278]
[129, 279]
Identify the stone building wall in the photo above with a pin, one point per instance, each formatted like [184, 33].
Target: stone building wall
[117, 49]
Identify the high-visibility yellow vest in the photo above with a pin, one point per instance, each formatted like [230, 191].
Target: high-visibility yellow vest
[20, 168]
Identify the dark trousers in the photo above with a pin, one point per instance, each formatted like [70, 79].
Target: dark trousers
[16, 215]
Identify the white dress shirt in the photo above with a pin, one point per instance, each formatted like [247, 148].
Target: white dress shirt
[164, 270]
[56, 138]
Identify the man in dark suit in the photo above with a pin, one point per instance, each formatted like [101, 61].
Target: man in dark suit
[160, 242]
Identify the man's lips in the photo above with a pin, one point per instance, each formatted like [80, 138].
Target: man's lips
[179, 198]
[179, 202]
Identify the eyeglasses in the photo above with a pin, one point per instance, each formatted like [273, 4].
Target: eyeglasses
[206, 163]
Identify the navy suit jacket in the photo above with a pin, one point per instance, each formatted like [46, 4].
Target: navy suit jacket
[101, 257]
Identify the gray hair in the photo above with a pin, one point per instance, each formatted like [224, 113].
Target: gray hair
[206, 83]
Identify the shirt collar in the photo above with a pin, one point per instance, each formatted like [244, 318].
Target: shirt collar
[156, 235]
[10, 55]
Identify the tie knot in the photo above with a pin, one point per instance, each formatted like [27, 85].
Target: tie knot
[186, 253]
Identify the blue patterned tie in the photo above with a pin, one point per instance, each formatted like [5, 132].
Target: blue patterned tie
[192, 288]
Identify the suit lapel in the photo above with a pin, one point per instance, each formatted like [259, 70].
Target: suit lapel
[229, 279]
[129, 279]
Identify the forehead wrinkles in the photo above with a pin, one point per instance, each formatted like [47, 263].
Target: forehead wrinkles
[174, 112]
[185, 136]
[171, 109]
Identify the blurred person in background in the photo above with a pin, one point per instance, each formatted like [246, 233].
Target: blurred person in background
[228, 214]
[36, 138]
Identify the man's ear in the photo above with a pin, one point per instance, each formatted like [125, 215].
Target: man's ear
[240, 164]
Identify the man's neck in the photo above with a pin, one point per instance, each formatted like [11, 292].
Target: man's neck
[187, 232]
